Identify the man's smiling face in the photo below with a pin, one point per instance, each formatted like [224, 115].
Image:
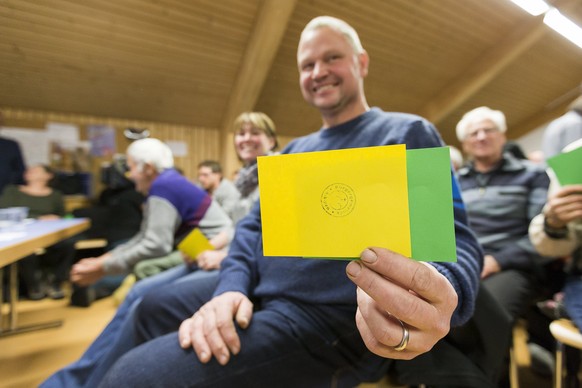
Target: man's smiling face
[331, 73]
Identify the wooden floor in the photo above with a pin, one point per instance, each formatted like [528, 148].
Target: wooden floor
[27, 359]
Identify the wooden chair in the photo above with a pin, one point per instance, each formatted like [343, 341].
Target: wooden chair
[94, 243]
[565, 333]
[469, 356]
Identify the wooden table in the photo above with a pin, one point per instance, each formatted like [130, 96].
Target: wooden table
[20, 241]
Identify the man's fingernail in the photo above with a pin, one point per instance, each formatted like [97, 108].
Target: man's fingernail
[223, 359]
[354, 268]
[369, 256]
[203, 356]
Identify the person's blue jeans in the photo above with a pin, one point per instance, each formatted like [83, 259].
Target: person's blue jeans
[119, 335]
[573, 299]
[287, 344]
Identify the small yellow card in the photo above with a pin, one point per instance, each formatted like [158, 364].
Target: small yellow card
[194, 244]
[333, 204]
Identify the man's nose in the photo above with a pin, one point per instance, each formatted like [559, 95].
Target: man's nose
[320, 70]
[481, 134]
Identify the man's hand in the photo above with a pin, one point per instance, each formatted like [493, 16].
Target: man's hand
[490, 266]
[211, 330]
[209, 260]
[392, 287]
[88, 271]
[564, 206]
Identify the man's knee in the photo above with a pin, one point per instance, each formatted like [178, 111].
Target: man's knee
[150, 305]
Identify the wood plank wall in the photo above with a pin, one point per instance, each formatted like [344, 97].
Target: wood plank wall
[202, 143]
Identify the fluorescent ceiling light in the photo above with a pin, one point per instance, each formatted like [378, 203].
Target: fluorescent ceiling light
[564, 26]
[534, 7]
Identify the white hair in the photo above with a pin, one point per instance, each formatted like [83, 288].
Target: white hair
[153, 152]
[480, 114]
[338, 25]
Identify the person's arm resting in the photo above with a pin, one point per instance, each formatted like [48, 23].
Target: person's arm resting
[157, 239]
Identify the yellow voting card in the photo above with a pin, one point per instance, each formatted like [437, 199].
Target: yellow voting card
[194, 243]
[333, 204]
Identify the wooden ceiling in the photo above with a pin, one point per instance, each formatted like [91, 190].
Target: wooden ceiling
[202, 62]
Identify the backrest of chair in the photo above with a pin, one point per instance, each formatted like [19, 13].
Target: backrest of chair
[566, 332]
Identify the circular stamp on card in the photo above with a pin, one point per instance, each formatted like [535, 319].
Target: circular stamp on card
[338, 200]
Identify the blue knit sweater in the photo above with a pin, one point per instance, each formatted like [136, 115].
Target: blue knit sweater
[314, 281]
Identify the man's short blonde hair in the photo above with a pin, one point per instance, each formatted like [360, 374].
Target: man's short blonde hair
[338, 25]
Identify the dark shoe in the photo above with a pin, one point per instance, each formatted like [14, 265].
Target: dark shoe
[55, 292]
[82, 296]
[35, 295]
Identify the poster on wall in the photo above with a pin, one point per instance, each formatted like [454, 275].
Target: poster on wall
[179, 148]
[102, 140]
[34, 144]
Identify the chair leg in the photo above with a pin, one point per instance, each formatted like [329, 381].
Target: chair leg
[558, 373]
[513, 369]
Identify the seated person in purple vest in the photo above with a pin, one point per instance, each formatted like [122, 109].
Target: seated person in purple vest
[253, 136]
[294, 322]
[174, 206]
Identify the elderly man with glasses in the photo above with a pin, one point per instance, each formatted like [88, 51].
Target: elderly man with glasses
[502, 195]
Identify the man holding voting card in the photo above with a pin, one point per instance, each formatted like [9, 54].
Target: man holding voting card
[306, 318]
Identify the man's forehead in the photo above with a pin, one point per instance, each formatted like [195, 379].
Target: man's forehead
[308, 45]
[482, 124]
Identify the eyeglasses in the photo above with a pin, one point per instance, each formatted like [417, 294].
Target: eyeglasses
[486, 131]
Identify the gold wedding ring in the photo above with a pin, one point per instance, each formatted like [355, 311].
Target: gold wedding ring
[405, 337]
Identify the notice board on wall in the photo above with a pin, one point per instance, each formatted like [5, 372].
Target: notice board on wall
[34, 144]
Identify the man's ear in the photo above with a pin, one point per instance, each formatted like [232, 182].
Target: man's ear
[149, 170]
[364, 61]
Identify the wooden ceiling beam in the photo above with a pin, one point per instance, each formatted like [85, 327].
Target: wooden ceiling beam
[270, 26]
[484, 69]
[537, 120]
[489, 65]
